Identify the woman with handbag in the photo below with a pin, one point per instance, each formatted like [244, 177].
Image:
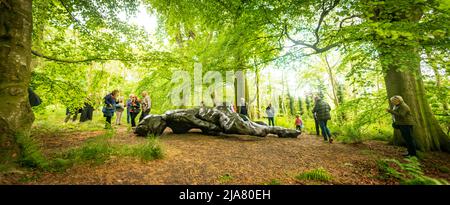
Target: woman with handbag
[404, 121]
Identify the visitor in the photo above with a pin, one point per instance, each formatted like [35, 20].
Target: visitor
[243, 108]
[270, 112]
[404, 121]
[87, 112]
[146, 105]
[135, 108]
[73, 114]
[322, 111]
[232, 107]
[119, 110]
[316, 123]
[109, 108]
[128, 105]
[33, 98]
[298, 123]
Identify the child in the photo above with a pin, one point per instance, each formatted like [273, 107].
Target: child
[298, 123]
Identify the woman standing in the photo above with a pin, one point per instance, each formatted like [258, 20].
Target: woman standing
[110, 107]
[270, 112]
[119, 110]
[404, 121]
[134, 110]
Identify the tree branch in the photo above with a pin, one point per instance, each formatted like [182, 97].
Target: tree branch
[36, 53]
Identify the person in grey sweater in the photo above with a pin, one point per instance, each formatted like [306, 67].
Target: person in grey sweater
[270, 114]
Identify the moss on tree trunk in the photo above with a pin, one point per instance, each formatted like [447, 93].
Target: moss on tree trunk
[16, 115]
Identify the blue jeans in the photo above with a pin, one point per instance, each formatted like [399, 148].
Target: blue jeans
[325, 131]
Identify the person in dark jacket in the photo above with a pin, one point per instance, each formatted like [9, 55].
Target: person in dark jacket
[110, 107]
[322, 111]
[404, 121]
[135, 108]
[34, 99]
[86, 113]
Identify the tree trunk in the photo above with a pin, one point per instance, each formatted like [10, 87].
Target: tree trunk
[16, 115]
[408, 84]
[258, 103]
[333, 82]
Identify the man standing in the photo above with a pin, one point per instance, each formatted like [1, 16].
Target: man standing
[146, 105]
[128, 105]
[322, 112]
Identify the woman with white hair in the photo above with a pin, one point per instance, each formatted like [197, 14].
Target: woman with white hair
[404, 121]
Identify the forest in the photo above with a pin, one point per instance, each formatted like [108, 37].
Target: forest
[354, 56]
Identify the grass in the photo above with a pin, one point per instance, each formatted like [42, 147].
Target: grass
[319, 174]
[94, 151]
[273, 182]
[31, 155]
[225, 178]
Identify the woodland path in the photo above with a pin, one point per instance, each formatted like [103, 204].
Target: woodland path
[193, 158]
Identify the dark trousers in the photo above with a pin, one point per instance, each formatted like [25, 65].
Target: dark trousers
[406, 131]
[271, 121]
[325, 131]
[128, 116]
[143, 114]
[108, 120]
[133, 118]
[316, 122]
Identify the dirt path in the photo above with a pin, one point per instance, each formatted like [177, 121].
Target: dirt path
[198, 159]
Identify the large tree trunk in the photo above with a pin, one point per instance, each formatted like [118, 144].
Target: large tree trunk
[16, 115]
[408, 84]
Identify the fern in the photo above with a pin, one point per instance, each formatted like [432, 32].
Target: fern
[319, 174]
[409, 173]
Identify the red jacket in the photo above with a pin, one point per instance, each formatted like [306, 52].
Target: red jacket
[298, 121]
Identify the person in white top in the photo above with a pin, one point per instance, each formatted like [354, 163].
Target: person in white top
[146, 105]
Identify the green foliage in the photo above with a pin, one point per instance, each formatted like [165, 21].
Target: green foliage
[225, 178]
[319, 174]
[409, 173]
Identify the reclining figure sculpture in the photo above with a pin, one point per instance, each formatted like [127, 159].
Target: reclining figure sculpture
[211, 121]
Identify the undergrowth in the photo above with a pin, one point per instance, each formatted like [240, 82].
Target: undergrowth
[409, 173]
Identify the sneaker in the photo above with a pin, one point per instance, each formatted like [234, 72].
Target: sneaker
[331, 140]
